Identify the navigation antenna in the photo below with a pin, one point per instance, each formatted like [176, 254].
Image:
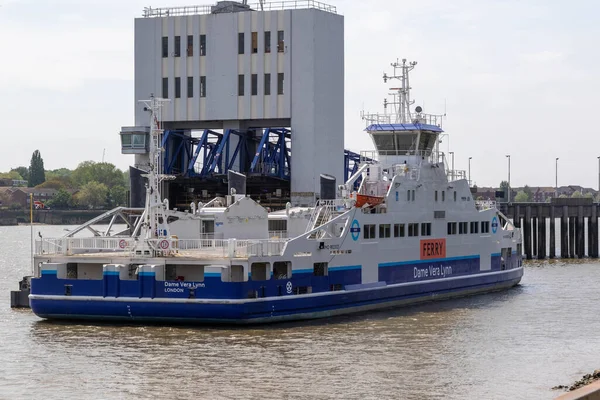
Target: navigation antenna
[155, 220]
[401, 100]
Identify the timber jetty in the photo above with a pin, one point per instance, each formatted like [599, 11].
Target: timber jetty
[538, 222]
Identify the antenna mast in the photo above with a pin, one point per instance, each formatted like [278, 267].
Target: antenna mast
[402, 100]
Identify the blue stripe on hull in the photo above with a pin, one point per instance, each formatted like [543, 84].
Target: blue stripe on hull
[271, 309]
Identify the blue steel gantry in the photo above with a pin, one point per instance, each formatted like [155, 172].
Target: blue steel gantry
[255, 152]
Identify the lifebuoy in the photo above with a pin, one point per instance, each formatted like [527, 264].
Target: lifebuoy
[164, 244]
[122, 243]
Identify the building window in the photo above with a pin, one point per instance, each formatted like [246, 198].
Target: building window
[280, 41]
[369, 232]
[241, 43]
[451, 228]
[202, 45]
[165, 88]
[485, 226]
[462, 228]
[177, 49]
[443, 195]
[190, 86]
[398, 230]
[267, 41]
[413, 195]
[254, 84]
[439, 214]
[413, 230]
[426, 229]
[203, 86]
[474, 227]
[384, 230]
[254, 42]
[436, 196]
[240, 85]
[165, 46]
[190, 46]
[267, 84]
[280, 83]
[177, 88]
[455, 195]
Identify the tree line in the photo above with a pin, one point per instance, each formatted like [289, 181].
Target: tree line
[95, 184]
[526, 194]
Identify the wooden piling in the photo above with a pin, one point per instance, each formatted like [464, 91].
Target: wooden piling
[581, 235]
[572, 237]
[594, 229]
[527, 232]
[564, 233]
[552, 253]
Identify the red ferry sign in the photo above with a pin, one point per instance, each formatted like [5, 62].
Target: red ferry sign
[433, 248]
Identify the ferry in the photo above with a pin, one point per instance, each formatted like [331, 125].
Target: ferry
[403, 229]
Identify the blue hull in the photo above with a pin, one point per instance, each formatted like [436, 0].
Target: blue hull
[268, 309]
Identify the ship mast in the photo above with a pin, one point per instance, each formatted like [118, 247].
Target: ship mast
[401, 95]
[155, 219]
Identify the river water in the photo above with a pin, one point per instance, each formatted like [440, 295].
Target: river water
[515, 344]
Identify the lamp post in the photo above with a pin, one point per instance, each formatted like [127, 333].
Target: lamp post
[470, 170]
[508, 156]
[599, 175]
[556, 178]
[452, 153]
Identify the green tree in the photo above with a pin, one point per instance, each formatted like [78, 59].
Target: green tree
[521, 197]
[117, 196]
[588, 195]
[62, 199]
[105, 173]
[504, 189]
[11, 175]
[576, 195]
[563, 196]
[23, 171]
[528, 192]
[37, 174]
[92, 194]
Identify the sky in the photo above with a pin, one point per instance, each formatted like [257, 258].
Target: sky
[516, 77]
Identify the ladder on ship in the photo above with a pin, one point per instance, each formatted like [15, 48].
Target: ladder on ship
[321, 215]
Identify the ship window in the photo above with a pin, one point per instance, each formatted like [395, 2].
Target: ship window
[241, 43]
[455, 195]
[451, 228]
[267, 41]
[177, 48]
[485, 226]
[443, 195]
[384, 230]
[177, 88]
[474, 227]
[426, 229]
[282, 269]
[267, 84]
[255, 42]
[165, 46]
[413, 230]
[436, 196]
[462, 228]
[369, 232]
[398, 230]
[260, 272]
[320, 269]
[202, 45]
[190, 45]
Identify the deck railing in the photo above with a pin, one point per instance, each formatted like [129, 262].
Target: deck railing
[150, 12]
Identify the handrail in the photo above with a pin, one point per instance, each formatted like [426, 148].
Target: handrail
[150, 12]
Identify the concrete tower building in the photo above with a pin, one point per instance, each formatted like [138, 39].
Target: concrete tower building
[247, 68]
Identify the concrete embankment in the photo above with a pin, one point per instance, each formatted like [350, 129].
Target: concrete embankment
[51, 217]
[586, 388]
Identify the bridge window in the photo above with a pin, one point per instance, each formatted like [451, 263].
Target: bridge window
[202, 45]
[398, 230]
[451, 228]
[462, 228]
[384, 231]
[165, 46]
[267, 41]
[369, 232]
[413, 230]
[426, 229]
[177, 49]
